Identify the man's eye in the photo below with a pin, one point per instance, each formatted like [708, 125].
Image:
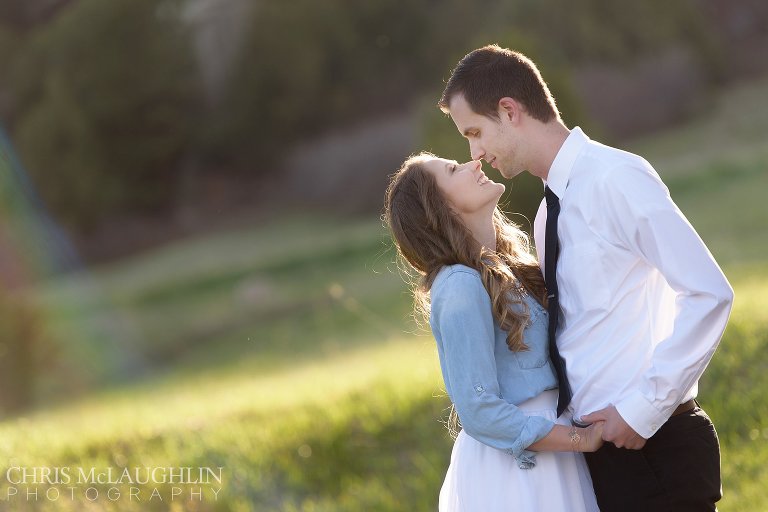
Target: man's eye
[453, 168]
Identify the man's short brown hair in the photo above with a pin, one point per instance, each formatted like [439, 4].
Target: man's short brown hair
[490, 73]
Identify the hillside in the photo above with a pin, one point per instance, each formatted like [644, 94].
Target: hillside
[285, 355]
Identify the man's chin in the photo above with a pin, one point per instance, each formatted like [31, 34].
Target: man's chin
[510, 173]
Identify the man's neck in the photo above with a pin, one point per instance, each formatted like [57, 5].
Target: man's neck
[548, 139]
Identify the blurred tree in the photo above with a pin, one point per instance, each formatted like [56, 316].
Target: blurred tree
[309, 66]
[23, 14]
[104, 97]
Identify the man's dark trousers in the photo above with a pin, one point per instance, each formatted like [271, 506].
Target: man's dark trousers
[678, 469]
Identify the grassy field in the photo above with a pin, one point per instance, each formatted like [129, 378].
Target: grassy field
[286, 355]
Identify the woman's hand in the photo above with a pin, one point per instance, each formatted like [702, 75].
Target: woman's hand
[591, 437]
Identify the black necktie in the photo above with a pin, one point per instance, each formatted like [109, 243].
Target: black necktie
[551, 252]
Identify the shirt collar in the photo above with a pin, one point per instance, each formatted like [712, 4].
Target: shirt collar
[560, 172]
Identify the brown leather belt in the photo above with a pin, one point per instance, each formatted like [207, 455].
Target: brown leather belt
[685, 407]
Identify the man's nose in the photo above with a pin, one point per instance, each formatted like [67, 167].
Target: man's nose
[476, 151]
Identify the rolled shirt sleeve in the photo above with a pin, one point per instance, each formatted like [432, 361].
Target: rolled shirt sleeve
[462, 323]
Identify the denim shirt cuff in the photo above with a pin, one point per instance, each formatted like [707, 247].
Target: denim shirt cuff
[535, 428]
[526, 459]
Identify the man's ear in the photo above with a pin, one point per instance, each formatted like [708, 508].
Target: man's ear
[510, 108]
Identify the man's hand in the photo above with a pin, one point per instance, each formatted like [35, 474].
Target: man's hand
[615, 430]
[592, 437]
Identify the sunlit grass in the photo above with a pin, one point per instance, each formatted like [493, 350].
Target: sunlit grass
[164, 405]
[235, 419]
[732, 391]
[358, 428]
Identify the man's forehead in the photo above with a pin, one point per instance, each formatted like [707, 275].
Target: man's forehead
[459, 105]
[465, 119]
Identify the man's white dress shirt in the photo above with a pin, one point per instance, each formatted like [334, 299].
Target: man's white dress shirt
[643, 302]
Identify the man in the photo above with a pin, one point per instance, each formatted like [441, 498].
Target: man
[637, 302]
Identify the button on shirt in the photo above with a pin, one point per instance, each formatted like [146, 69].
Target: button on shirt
[483, 378]
[643, 302]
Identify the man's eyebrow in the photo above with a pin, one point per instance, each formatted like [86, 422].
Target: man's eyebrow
[469, 130]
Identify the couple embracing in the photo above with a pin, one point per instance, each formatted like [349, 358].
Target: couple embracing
[574, 375]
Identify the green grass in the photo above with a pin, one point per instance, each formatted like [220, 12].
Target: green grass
[286, 355]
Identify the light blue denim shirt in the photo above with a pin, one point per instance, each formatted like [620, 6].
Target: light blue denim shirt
[483, 378]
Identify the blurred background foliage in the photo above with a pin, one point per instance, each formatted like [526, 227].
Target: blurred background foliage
[192, 265]
[102, 107]
[109, 112]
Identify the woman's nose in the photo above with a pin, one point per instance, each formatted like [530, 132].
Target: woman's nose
[474, 165]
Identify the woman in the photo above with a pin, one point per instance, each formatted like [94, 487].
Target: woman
[484, 294]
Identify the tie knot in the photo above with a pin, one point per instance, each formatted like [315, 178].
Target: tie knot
[551, 197]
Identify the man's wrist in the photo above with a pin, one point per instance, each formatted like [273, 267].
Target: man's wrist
[640, 414]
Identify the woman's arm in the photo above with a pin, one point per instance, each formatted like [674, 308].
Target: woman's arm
[571, 439]
[462, 322]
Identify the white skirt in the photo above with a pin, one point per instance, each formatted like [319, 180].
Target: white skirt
[484, 479]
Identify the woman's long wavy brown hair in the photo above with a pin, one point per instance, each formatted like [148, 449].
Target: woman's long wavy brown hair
[429, 235]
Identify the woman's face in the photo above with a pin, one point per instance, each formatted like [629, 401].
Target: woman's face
[465, 186]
